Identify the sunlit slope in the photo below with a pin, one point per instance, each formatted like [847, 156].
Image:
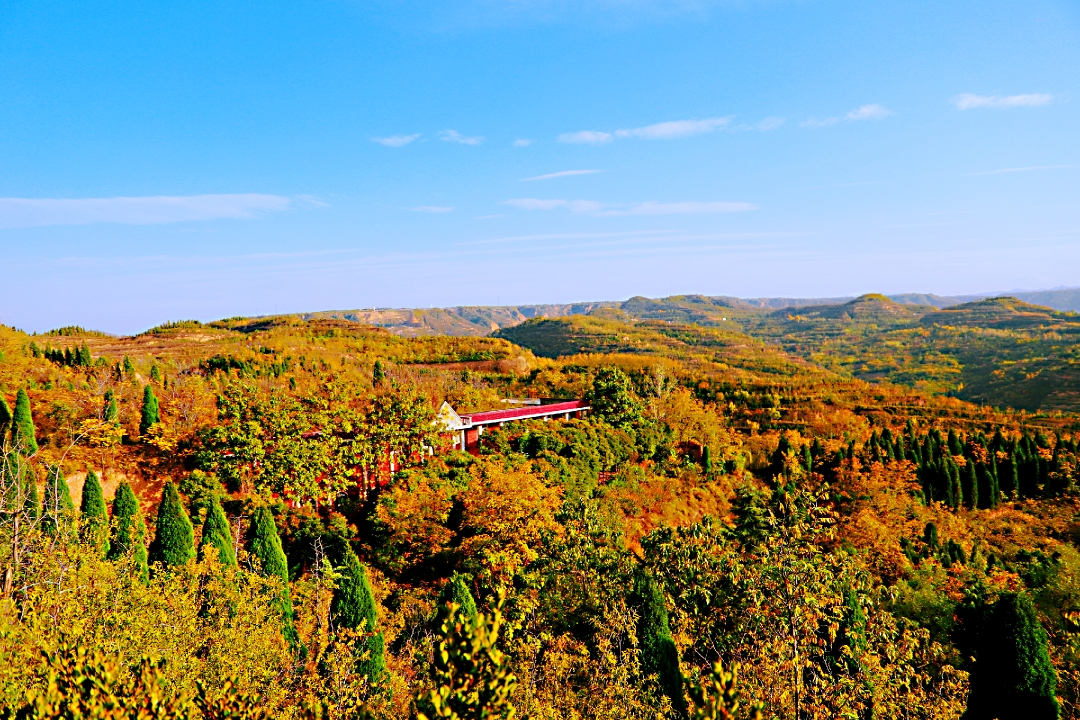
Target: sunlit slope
[1000, 351]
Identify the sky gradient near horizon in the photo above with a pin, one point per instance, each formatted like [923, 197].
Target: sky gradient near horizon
[202, 160]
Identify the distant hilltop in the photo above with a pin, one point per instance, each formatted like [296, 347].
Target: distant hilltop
[483, 320]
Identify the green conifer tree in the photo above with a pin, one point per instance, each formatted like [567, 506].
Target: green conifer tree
[111, 410]
[266, 547]
[59, 508]
[378, 374]
[174, 536]
[5, 418]
[658, 653]
[129, 369]
[129, 534]
[22, 425]
[456, 590]
[155, 373]
[353, 606]
[149, 410]
[970, 485]
[94, 514]
[706, 460]
[216, 534]
[1013, 676]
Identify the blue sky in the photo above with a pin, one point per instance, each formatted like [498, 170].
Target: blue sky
[201, 160]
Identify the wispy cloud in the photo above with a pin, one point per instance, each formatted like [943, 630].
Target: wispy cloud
[659, 131]
[1002, 171]
[969, 101]
[864, 112]
[592, 207]
[580, 207]
[561, 174]
[453, 136]
[432, 209]
[396, 140]
[586, 137]
[35, 212]
[521, 142]
[674, 129]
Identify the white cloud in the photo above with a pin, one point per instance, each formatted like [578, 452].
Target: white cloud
[563, 173]
[659, 131]
[574, 206]
[523, 143]
[36, 212]
[869, 112]
[968, 101]
[592, 207]
[769, 123]
[396, 140]
[453, 136]
[586, 137]
[1021, 169]
[433, 209]
[674, 129]
[683, 208]
[864, 112]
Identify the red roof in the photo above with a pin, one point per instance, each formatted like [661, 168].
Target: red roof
[523, 413]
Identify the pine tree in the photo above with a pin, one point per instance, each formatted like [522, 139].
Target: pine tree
[149, 410]
[658, 653]
[95, 516]
[129, 369]
[155, 373]
[174, 536]
[266, 547]
[353, 606]
[378, 374]
[59, 508]
[456, 590]
[216, 534]
[22, 425]
[5, 417]
[112, 411]
[129, 534]
[1013, 676]
[970, 485]
[706, 460]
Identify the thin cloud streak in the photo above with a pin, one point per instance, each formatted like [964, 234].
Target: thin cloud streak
[453, 136]
[970, 101]
[592, 207]
[437, 209]
[158, 210]
[1020, 169]
[396, 141]
[863, 112]
[669, 130]
[560, 174]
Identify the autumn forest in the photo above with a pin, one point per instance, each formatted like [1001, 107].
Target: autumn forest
[859, 509]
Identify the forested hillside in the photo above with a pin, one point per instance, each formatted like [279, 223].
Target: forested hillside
[260, 518]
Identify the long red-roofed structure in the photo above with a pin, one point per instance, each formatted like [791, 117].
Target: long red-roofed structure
[468, 427]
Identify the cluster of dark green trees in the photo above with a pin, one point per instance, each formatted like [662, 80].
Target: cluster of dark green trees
[70, 357]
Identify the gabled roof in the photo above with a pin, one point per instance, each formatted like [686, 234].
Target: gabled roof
[489, 417]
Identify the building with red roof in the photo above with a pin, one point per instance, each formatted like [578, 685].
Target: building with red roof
[468, 427]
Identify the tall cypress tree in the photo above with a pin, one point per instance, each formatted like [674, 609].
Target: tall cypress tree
[130, 530]
[94, 514]
[658, 653]
[970, 485]
[5, 417]
[1013, 676]
[22, 425]
[174, 536]
[59, 508]
[266, 547]
[216, 534]
[112, 411]
[149, 410]
[456, 590]
[353, 606]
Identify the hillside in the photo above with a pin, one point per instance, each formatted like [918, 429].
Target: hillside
[713, 461]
